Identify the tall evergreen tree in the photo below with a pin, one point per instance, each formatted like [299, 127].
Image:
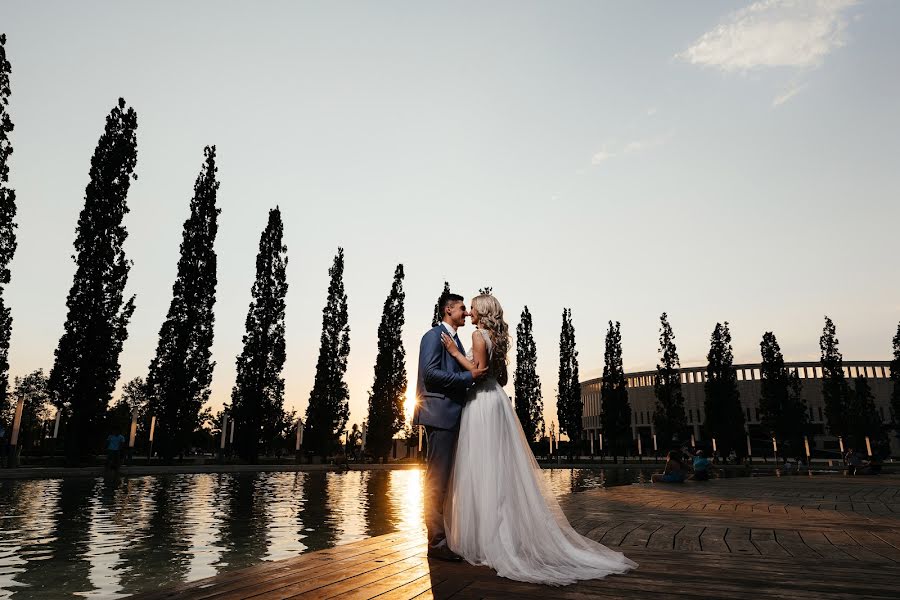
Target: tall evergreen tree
[7, 224]
[181, 372]
[87, 359]
[438, 317]
[863, 416]
[783, 411]
[568, 398]
[668, 417]
[386, 415]
[895, 377]
[835, 389]
[722, 404]
[526, 381]
[329, 409]
[257, 399]
[615, 410]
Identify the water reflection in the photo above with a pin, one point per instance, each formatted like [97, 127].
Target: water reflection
[90, 537]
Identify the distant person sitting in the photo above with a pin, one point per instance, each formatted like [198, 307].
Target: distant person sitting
[702, 465]
[854, 462]
[114, 443]
[674, 472]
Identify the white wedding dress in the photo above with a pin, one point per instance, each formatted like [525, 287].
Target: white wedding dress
[498, 513]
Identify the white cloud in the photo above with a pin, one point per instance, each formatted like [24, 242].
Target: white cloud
[601, 156]
[639, 145]
[773, 33]
[632, 147]
[651, 111]
[789, 93]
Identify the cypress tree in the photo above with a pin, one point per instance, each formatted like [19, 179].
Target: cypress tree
[835, 389]
[257, 399]
[615, 410]
[526, 381]
[863, 416]
[181, 372]
[87, 359]
[783, 411]
[722, 403]
[568, 399]
[438, 317]
[895, 377]
[386, 396]
[668, 417]
[329, 409]
[7, 224]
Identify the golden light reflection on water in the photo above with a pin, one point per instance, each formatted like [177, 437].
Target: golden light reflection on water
[408, 495]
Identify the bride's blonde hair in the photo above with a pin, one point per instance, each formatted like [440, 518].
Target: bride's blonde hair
[490, 318]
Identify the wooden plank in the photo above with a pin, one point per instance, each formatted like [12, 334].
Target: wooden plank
[872, 542]
[638, 538]
[407, 569]
[307, 580]
[764, 540]
[413, 589]
[713, 539]
[818, 542]
[664, 537]
[614, 536]
[738, 541]
[386, 584]
[846, 543]
[688, 539]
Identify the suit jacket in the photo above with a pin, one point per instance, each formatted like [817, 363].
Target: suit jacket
[442, 383]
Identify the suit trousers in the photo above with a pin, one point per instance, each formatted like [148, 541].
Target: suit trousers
[441, 452]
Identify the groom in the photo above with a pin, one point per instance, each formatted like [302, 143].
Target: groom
[440, 394]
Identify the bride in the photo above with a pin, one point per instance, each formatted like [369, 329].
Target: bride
[497, 513]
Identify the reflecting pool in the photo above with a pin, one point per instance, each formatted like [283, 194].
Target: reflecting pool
[66, 538]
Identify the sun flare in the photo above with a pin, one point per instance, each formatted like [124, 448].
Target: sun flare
[409, 402]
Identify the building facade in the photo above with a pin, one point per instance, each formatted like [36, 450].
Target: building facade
[642, 401]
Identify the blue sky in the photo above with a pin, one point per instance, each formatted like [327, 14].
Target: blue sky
[720, 161]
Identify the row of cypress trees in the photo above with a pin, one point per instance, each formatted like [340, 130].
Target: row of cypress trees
[849, 409]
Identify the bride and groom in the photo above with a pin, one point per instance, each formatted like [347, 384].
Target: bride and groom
[484, 497]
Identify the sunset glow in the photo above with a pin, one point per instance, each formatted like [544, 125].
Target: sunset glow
[409, 402]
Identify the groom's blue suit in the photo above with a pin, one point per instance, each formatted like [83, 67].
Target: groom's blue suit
[440, 395]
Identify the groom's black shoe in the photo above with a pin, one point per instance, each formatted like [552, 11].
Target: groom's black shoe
[444, 553]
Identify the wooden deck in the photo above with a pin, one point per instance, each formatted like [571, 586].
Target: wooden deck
[796, 537]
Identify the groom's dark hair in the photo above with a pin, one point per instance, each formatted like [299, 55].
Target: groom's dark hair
[446, 300]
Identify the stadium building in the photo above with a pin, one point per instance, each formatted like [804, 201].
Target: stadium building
[642, 401]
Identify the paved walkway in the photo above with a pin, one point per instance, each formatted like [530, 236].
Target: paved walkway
[789, 537]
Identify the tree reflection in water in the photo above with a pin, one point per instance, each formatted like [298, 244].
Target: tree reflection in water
[380, 513]
[244, 536]
[316, 528]
[67, 546]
